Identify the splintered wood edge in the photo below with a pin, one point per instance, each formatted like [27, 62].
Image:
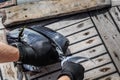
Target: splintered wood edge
[7, 3]
[47, 9]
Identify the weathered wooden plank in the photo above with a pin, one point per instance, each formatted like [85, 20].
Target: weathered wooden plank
[49, 8]
[112, 77]
[8, 71]
[2, 32]
[115, 3]
[77, 27]
[7, 3]
[96, 62]
[93, 52]
[69, 21]
[82, 35]
[104, 70]
[115, 15]
[85, 44]
[110, 35]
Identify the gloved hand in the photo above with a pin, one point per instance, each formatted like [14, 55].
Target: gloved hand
[32, 56]
[73, 70]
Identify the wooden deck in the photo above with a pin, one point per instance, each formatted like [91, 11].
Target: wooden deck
[95, 35]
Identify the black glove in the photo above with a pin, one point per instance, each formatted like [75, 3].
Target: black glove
[32, 56]
[73, 70]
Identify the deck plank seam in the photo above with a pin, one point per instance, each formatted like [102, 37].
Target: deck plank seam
[87, 48]
[79, 31]
[103, 41]
[114, 21]
[71, 24]
[84, 39]
[98, 67]
[106, 75]
[95, 57]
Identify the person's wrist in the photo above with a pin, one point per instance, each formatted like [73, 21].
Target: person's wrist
[11, 52]
[18, 46]
[64, 77]
[66, 73]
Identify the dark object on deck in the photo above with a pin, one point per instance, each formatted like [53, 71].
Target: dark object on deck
[42, 43]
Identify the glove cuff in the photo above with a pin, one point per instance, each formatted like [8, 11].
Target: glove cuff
[18, 45]
[67, 74]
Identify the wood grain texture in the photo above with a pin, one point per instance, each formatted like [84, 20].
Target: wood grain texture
[49, 8]
[2, 32]
[7, 3]
[76, 27]
[82, 35]
[109, 34]
[93, 52]
[101, 60]
[85, 44]
[114, 76]
[98, 72]
[66, 22]
[115, 13]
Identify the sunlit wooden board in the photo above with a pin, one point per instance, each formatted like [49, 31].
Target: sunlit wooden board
[115, 13]
[49, 8]
[110, 34]
[7, 3]
[98, 72]
[85, 44]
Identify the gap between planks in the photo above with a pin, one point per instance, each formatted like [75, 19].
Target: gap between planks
[109, 34]
[115, 14]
